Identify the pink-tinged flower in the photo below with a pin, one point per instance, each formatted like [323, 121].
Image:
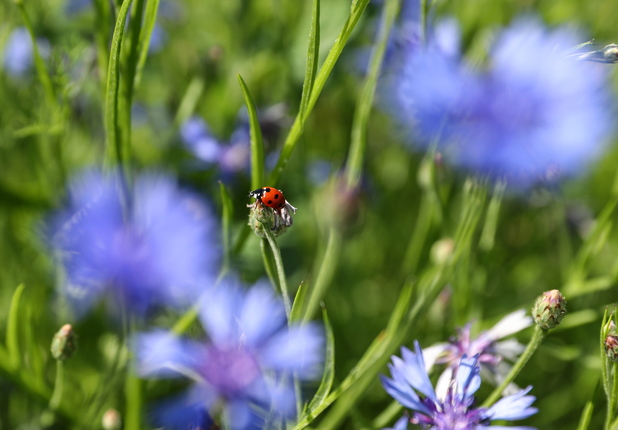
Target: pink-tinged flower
[410, 386]
[494, 354]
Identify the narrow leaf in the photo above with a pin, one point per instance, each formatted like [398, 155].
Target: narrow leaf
[329, 369]
[257, 146]
[320, 81]
[12, 327]
[299, 303]
[584, 420]
[364, 104]
[313, 51]
[150, 19]
[226, 223]
[117, 152]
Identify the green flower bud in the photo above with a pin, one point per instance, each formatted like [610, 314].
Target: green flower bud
[64, 343]
[262, 217]
[611, 347]
[549, 309]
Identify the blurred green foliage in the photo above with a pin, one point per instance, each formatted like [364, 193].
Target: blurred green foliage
[538, 236]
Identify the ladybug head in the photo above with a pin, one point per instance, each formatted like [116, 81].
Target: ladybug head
[257, 194]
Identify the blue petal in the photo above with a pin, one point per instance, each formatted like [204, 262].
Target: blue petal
[188, 411]
[299, 350]
[262, 315]
[413, 368]
[513, 407]
[164, 354]
[241, 416]
[219, 311]
[468, 379]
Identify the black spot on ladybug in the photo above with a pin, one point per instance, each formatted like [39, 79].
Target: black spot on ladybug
[267, 190]
[270, 202]
[276, 196]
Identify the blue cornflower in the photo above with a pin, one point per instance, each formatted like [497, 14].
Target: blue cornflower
[246, 365]
[532, 115]
[155, 248]
[230, 157]
[410, 386]
[19, 53]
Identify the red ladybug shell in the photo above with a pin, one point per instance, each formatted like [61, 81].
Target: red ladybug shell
[271, 197]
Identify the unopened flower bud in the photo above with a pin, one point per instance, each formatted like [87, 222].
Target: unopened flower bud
[64, 343]
[549, 309]
[611, 347]
[262, 217]
[111, 420]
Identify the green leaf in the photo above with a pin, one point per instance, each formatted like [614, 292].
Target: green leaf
[226, 223]
[584, 420]
[257, 146]
[117, 150]
[12, 328]
[313, 51]
[299, 303]
[320, 81]
[364, 105]
[329, 371]
[150, 19]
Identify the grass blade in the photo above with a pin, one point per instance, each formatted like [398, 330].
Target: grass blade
[299, 303]
[12, 328]
[320, 81]
[257, 146]
[150, 19]
[358, 145]
[117, 150]
[226, 223]
[313, 52]
[329, 369]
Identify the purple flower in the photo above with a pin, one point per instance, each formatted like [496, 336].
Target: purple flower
[410, 386]
[19, 53]
[491, 352]
[246, 365]
[532, 115]
[156, 248]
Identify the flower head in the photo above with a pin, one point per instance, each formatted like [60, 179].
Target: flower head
[531, 116]
[549, 309]
[247, 363]
[19, 52]
[410, 386]
[490, 350]
[230, 157]
[154, 248]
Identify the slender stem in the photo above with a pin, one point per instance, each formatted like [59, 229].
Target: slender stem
[280, 271]
[56, 397]
[611, 407]
[133, 392]
[584, 420]
[325, 273]
[537, 337]
[364, 104]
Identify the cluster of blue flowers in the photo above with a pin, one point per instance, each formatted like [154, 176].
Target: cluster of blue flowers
[534, 114]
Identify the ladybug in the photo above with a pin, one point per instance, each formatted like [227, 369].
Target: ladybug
[274, 199]
[271, 197]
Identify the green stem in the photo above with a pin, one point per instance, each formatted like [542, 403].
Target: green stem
[614, 395]
[424, 14]
[280, 271]
[358, 145]
[320, 80]
[132, 389]
[538, 337]
[584, 420]
[38, 60]
[56, 397]
[325, 273]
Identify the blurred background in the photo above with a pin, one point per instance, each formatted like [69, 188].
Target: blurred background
[188, 119]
